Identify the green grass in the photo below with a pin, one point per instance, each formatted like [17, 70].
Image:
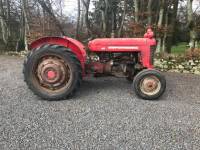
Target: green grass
[180, 48]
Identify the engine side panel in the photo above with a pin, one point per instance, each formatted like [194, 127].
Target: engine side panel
[130, 45]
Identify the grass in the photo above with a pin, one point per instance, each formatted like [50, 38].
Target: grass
[180, 48]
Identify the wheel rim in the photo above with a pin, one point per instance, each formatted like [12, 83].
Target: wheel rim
[53, 74]
[150, 85]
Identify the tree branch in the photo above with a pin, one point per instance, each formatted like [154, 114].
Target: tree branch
[49, 11]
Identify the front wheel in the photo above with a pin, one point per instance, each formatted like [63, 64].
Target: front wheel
[149, 84]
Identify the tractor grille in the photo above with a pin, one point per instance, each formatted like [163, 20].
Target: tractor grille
[153, 49]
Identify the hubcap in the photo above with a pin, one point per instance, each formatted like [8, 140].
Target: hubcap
[150, 85]
[53, 73]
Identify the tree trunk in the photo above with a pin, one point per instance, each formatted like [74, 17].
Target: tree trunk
[123, 19]
[149, 8]
[82, 17]
[136, 3]
[3, 24]
[26, 26]
[104, 24]
[8, 17]
[43, 21]
[78, 19]
[164, 44]
[87, 22]
[172, 36]
[191, 24]
[114, 18]
[160, 22]
[61, 8]
[104, 17]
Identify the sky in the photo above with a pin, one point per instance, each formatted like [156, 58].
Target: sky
[71, 7]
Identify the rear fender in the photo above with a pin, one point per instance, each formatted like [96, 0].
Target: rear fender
[75, 46]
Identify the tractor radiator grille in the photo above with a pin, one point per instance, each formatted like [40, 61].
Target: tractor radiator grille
[153, 49]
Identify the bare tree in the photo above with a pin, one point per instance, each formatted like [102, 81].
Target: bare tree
[149, 10]
[4, 27]
[191, 24]
[23, 21]
[160, 23]
[136, 3]
[49, 10]
[164, 43]
[123, 19]
[104, 13]
[173, 23]
[86, 4]
[25, 24]
[78, 18]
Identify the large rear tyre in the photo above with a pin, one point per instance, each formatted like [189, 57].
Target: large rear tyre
[149, 84]
[52, 72]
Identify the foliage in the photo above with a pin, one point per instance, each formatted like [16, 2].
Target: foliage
[22, 21]
[180, 65]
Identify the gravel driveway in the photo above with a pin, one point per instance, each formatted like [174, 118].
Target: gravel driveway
[104, 115]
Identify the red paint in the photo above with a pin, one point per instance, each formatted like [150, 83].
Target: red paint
[140, 45]
[123, 44]
[98, 67]
[51, 75]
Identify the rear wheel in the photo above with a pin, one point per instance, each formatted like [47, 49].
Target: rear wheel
[53, 72]
[149, 84]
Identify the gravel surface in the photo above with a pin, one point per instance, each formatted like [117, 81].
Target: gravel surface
[104, 115]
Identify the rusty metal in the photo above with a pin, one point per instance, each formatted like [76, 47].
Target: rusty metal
[53, 73]
[103, 68]
[150, 85]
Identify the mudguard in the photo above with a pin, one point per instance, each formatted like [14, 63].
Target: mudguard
[75, 46]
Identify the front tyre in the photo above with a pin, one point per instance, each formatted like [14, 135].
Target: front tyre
[52, 72]
[149, 84]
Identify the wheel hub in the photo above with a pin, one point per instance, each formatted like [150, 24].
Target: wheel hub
[150, 85]
[53, 73]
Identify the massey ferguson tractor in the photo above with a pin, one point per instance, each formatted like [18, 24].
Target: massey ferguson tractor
[56, 66]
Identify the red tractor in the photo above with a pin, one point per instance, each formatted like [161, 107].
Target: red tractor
[56, 66]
